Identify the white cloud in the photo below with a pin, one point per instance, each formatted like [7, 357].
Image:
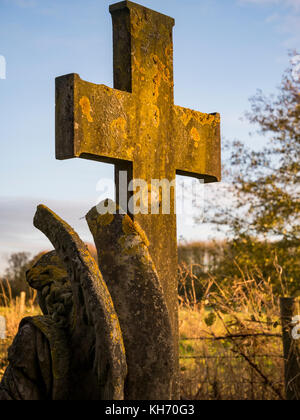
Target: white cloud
[275, 17]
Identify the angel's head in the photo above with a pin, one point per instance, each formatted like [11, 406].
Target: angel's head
[49, 277]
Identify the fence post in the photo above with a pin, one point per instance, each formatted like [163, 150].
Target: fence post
[291, 346]
[22, 302]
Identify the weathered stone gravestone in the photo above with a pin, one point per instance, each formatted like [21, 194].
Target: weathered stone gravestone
[137, 127]
[2, 328]
[88, 346]
[109, 331]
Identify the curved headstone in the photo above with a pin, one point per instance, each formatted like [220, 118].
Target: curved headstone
[132, 280]
[96, 326]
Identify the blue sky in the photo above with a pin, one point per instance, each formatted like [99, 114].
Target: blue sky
[224, 50]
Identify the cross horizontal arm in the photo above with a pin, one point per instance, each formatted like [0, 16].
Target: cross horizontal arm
[198, 144]
[92, 121]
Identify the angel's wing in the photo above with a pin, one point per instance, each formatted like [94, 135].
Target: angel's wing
[134, 285]
[96, 329]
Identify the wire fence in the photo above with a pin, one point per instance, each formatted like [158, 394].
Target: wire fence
[233, 367]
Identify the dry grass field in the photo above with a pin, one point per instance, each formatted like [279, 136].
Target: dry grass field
[13, 314]
[238, 366]
[230, 341]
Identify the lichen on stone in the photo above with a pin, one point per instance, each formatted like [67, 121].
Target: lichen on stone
[133, 228]
[105, 219]
[86, 108]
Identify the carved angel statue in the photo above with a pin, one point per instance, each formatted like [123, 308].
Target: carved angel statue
[104, 335]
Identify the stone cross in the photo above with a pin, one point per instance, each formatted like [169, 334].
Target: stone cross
[137, 127]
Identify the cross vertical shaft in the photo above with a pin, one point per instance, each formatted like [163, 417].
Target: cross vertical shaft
[143, 66]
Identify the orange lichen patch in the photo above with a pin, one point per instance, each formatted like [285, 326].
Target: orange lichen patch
[105, 219]
[185, 118]
[118, 128]
[128, 226]
[118, 94]
[169, 52]
[137, 22]
[156, 84]
[155, 58]
[86, 108]
[156, 116]
[208, 119]
[162, 72]
[195, 134]
[130, 152]
[187, 115]
[166, 75]
[108, 90]
[137, 66]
